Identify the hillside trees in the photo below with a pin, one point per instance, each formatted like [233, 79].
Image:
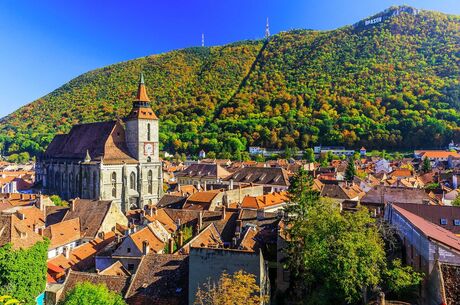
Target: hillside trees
[392, 85]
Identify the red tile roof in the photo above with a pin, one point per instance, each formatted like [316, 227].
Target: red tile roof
[430, 230]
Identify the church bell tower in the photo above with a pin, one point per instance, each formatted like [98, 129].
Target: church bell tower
[142, 128]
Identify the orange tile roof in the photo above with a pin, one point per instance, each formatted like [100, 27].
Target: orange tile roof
[14, 232]
[81, 253]
[434, 154]
[207, 238]
[163, 218]
[145, 234]
[264, 201]
[63, 232]
[401, 172]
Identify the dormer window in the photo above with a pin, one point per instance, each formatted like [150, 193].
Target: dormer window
[443, 221]
[456, 222]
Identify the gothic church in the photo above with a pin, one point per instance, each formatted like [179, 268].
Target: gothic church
[117, 160]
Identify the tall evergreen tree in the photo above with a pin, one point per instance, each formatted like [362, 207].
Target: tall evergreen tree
[350, 171]
[426, 165]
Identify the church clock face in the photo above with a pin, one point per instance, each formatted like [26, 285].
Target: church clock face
[148, 149]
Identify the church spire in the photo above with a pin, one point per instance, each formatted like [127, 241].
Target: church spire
[141, 105]
[141, 91]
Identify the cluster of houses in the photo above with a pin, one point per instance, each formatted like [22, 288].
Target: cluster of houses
[15, 178]
[154, 231]
[221, 215]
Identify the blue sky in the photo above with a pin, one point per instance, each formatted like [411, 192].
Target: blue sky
[44, 44]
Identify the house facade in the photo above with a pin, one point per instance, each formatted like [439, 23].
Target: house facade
[117, 160]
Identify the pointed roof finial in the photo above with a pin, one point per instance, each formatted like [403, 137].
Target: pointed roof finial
[141, 91]
[88, 157]
[141, 80]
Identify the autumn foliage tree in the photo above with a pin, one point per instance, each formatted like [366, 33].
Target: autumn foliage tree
[239, 288]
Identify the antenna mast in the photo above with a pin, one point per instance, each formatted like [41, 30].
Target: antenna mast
[267, 30]
[202, 39]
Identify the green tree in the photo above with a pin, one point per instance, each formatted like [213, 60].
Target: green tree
[456, 201]
[58, 201]
[350, 171]
[401, 282]
[239, 288]
[23, 271]
[426, 165]
[309, 155]
[90, 294]
[333, 257]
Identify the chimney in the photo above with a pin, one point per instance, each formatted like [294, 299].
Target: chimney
[260, 214]
[40, 203]
[72, 205]
[239, 225]
[171, 246]
[224, 210]
[181, 238]
[200, 220]
[145, 247]
[40, 231]
[231, 185]
[264, 200]
[66, 252]
[205, 186]
[21, 216]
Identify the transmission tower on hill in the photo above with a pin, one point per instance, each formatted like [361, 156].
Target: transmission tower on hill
[202, 39]
[267, 30]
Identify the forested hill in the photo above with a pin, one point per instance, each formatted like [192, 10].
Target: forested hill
[389, 81]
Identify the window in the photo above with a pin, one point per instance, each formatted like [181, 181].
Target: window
[148, 132]
[149, 159]
[456, 222]
[128, 250]
[132, 181]
[95, 184]
[85, 180]
[443, 221]
[150, 182]
[130, 267]
[114, 184]
[71, 186]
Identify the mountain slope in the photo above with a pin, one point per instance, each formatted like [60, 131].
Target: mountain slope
[391, 84]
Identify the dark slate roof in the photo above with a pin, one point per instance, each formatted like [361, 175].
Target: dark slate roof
[104, 140]
[333, 191]
[82, 137]
[204, 170]
[434, 213]
[172, 202]
[91, 214]
[115, 283]
[394, 195]
[54, 214]
[226, 227]
[260, 175]
[160, 279]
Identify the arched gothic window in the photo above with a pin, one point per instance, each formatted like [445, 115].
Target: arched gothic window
[95, 184]
[132, 181]
[148, 132]
[150, 182]
[114, 184]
